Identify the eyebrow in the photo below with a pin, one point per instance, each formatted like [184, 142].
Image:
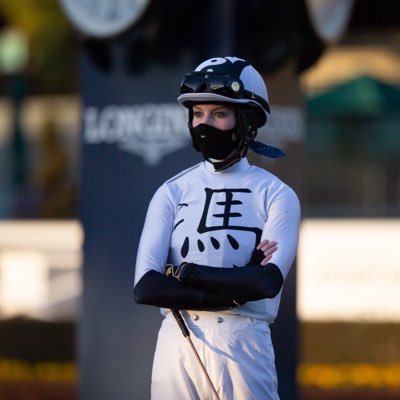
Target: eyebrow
[217, 108]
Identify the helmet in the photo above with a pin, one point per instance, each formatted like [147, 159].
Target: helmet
[233, 81]
[228, 80]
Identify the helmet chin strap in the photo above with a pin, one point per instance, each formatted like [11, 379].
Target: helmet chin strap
[220, 165]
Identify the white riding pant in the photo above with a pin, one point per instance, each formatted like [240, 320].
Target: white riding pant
[236, 351]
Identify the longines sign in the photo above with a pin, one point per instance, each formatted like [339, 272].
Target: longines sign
[149, 130]
[152, 131]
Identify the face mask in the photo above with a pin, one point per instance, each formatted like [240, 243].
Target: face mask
[213, 142]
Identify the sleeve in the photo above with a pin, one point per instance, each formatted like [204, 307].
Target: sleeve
[155, 238]
[247, 283]
[282, 226]
[159, 290]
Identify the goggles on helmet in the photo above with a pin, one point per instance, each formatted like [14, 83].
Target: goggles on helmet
[217, 83]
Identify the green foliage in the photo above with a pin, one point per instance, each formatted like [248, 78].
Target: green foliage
[52, 59]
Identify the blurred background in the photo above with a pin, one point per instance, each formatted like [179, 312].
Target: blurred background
[86, 88]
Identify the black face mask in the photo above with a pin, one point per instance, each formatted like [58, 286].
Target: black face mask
[213, 142]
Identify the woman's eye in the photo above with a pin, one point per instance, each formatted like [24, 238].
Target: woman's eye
[197, 114]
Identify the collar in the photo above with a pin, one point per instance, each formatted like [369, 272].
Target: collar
[240, 166]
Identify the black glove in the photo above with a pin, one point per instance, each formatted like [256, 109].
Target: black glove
[162, 291]
[256, 257]
[182, 274]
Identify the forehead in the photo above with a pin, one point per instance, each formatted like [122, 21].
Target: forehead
[212, 107]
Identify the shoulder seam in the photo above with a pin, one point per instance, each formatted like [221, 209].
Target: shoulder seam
[184, 172]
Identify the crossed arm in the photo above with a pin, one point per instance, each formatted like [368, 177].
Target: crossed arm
[198, 287]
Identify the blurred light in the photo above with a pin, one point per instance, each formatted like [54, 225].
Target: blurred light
[104, 18]
[23, 282]
[330, 376]
[14, 51]
[40, 269]
[339, 64]
[349, 270]
[330, 17]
